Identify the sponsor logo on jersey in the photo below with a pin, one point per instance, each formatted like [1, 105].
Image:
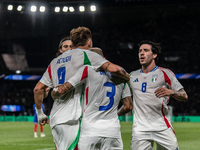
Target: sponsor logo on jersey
[102, 73]
[154, 77]
[106, 73]
[64, 60]
[136, 80]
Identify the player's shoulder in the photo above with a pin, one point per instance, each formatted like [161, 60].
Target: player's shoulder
[136, 72]
[87, 70]
[166, 70]
[88, 67]
[54, 60]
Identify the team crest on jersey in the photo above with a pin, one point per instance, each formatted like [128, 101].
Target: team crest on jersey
[154, 77]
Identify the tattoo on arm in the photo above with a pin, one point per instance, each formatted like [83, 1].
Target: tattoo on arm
[68, 87]
[107, 66]
[65, 88]
[124, 72]
[127, 106]
[180, 95]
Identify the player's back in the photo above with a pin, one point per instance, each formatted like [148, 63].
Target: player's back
[59, 71]
[67, 64]
[103, 93]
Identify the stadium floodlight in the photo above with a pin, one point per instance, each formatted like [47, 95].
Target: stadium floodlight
[18, 71]
[19, 8]
[71, 9]
[42, 9]
[57, 9]
[81, 8]
[10, 7]
[33, 8]
[93, 8]
[65, 9]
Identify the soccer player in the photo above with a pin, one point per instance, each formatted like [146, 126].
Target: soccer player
[35, 121]
[100, 126]
[151, 88]
[64, 45]
[66, 111]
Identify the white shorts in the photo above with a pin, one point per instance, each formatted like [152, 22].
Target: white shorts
[143, 140]
[100, 143]
[66, 135]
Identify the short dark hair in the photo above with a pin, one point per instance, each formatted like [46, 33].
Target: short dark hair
[79, 36]
[156, 48]
[62, 40]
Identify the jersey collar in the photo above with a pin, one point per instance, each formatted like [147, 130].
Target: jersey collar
[154, 69]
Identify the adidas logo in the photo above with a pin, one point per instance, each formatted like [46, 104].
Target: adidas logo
[136, 80]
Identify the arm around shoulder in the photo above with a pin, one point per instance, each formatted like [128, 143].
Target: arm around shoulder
[115, 70]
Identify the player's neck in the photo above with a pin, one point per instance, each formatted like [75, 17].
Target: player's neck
[84, 47]
[148, 68]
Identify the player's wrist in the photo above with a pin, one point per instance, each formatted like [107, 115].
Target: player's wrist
[39, 111]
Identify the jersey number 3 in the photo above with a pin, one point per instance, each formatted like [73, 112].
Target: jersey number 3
[110, 95]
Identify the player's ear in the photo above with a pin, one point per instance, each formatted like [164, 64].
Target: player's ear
[89, 43]
[154, 56]
[60, 50]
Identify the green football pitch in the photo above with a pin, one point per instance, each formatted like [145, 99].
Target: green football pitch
[19, 136]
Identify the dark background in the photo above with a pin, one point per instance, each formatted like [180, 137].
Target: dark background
[117, 27]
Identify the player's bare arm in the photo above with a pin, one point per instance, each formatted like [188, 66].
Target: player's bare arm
[180, 95]
[126, 107]
[61, 90]
[65, 88]
[115, 70]
[46, 92]
[39, 91]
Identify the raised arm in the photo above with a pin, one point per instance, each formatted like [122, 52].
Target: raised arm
[115, 70]
[126, 107]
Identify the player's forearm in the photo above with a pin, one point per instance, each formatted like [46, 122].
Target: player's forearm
[38, 97]
[46, 92]
[180, 95]
[126, 107]
[122, 74]
[123, 110]
[65, 88]
[115, 70]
